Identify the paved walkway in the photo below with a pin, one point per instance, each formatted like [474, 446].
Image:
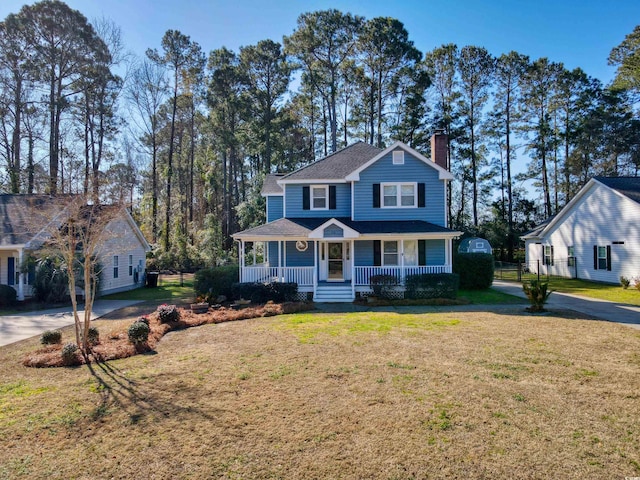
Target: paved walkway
[14, 328]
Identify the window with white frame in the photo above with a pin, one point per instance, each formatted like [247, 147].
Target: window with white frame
[116, 261]
[571, 255]
[548, 255]
[398, 157]
[390, 252]
[395, 195]
[130, 265]
[320, 197]
[602, 258]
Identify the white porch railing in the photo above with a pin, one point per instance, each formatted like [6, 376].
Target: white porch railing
[363, 274]
[303, 276]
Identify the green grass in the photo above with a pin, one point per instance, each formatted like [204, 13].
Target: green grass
[488, 297]
[169, 289]
[602, 291]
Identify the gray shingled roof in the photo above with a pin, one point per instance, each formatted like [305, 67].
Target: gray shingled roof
[337, 165]
[23, 216]
[627, 186]
[270, 185]
[301, 227]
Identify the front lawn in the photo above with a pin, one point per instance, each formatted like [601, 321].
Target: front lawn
[360, 395]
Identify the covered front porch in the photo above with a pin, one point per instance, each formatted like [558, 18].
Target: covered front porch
[335, 256]
[11, 271]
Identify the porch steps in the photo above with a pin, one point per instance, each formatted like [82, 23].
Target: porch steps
[336, 293]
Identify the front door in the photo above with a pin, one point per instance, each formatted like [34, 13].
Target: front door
[335, 262]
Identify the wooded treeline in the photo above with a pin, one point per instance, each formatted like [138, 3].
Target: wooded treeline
[186, 137]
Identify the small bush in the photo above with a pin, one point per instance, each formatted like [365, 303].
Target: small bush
[144, 319]
[265, 292]
[382, 285]
[537, 292]
[168, 313]
[51, 337]
[138, 333]
[475, 270]
[210, 283]
[93, 336]
[441, 285]
[8, 296]
[625, 282]
[69, 354]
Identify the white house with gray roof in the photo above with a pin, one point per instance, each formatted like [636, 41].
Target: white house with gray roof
[355, 214]
[596, 236]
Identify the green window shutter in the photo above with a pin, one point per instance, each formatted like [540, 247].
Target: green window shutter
[376, 195]
[306, 202]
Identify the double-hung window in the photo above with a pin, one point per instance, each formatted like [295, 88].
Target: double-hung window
[602, 258]
[399, 195]
[390, 253]
[116, 261]
[571, 255]
[548, 255]
[130, 265]
[320, 197]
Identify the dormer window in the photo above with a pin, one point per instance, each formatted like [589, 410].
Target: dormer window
[398, 157]
[319, 197]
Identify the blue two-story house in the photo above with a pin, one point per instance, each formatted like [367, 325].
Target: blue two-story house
[354, 214]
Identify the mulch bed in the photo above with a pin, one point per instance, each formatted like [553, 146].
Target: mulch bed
[116, 344]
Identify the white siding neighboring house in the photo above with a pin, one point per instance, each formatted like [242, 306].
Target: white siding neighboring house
[25, 221]
[596, 236]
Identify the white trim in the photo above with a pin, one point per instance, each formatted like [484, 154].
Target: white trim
[353, 209]
[326, 197]
[347, 232]
[267, 195]
[399, 186]
[443, 174]
[312, 180]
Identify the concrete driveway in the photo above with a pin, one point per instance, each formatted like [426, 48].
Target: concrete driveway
[602, 309]
[14, 328]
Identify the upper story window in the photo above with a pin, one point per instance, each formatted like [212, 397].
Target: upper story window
[398, 157]
[320, 197]
[396, 195]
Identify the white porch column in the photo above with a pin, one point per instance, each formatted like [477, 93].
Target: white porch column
[20, 276]
[279, 260]
[315, 265]
[353, 268]
[241, 255]
[447, 247]
[402, 261]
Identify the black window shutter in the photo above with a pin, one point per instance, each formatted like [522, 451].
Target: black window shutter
[11, 271]
[306, 204]
[609, 257]
[332, 197]
[422, 252]
[595, 257]
[421, 195]
[551, 254]
[377, 256]
[376, 195]
[544, 260]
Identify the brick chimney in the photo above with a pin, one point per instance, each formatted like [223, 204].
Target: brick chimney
[439, 148]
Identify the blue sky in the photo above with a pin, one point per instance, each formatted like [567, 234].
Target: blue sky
[578, 33]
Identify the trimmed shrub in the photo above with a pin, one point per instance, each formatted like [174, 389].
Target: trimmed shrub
[265, 292]
[440, 285]
[143, 319]
[625, 282]
[537, 292]
[69, 354]
[475, 270]
[93, 336]
[210, 283]
[51, 337]
[8, 296]
[168, 313]
[382, 285]
[138, 333]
